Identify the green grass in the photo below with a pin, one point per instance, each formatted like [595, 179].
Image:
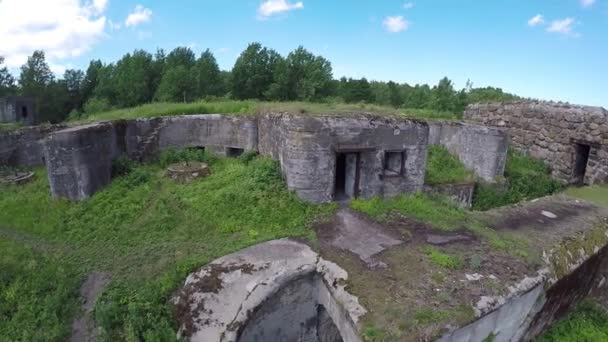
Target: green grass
[435, 210]
[597, 194]
[526, 179]
[149, 233]
[588, 323]
[223, 106]
[37, 295]
[443, 167]
[9, 126]
[442, 259]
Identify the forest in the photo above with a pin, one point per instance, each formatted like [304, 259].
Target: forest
[259, 73]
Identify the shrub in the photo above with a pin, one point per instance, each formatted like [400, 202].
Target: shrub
[172, 156]
[442, 259]
[526, 179]
[589, 322]
[443, 167]
[122, 166]
[97, 105]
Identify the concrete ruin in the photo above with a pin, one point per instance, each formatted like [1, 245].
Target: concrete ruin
[573, 140]
[275, 291]
[18, 109]
[323, 158]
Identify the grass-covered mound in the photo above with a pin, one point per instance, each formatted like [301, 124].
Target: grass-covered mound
[223, 106]
[147, 232]
[443, 167]
[526, 178]
[588, 323]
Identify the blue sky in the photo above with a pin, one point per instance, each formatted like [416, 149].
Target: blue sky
[548, 49]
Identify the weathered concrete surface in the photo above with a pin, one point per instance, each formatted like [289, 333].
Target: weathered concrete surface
[550, 131]
[575, 250]
[18, 109]
[271, 291]
[351, 232]
[79, 160]
[481, 149]
[308, 146]
[24, 147]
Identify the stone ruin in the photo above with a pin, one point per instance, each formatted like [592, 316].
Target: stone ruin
[573, 140]
[323, 158]
[18, 109]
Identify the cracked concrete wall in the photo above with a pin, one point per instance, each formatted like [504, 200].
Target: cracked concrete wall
[18, 109]
[307, 148]
[548, 131]
[481, 149]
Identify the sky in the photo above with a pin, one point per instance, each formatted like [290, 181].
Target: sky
[545, 49]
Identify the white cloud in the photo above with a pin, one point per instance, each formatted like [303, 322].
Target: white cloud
[587, 3]
[396, 24]
[271, 7]
[536, 20]
[408, 5]
[562, 26]
[62, 28]
[139, 15]
[223, 50]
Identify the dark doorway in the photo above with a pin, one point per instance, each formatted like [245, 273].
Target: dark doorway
[234, 152]
[581, 159]
[23, 112]
[346, 184]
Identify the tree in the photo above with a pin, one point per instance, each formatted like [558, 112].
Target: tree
[253, 72]
[74, 83]
[180, 56]
[301, 76]
[91, 80]
[132, 79]
[35, 74]
[208, 78]
[394, 94]
[444, 96]
[177, 85]
[7, 81]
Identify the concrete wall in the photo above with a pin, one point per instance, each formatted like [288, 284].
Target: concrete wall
[18, 109]
[307, 148]
[79, 160]
[549, 132]
[461, 194]
[481, 149]
[537, 303]
[23, 147]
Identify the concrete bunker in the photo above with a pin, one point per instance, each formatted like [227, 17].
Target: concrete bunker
[347, 176]
[279, 290]
[292, 314]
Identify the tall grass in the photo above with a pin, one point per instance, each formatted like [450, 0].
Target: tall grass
[588, 323]
[149, 232]
[526, 179]
[224, 106]
[442, 167]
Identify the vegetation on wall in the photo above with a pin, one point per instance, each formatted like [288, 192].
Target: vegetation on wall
[588, 323]
[526, 178]
[443, 167]
[260, 73]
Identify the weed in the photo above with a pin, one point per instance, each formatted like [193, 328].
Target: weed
[588, 322]
[526, 178]
[373, 334]
[475, 262]
[443, 167]
[442, 259]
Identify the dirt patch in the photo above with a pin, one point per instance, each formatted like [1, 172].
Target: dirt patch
[524, 216]
[83, 327]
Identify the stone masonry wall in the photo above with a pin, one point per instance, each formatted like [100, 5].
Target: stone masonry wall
[23, 147]
[550, 132]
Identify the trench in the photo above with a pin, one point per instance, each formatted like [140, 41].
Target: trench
[294, 313]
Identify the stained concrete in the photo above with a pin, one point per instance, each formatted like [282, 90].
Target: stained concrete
[360, 236]
[271, 291]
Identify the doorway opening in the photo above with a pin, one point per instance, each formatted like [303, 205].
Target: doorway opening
[346, 185]
[23, 112]
[581, 159]
[233, 152]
